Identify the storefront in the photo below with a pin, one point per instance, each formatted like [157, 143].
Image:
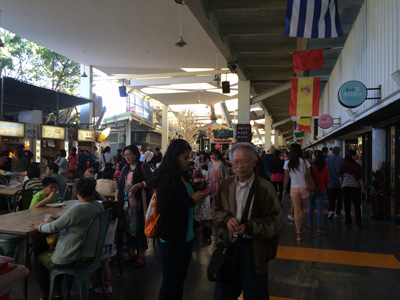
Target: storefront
[52, 141]
[86, 140]
[11, 134]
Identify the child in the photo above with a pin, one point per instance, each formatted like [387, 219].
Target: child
[118, 168]
[204, 171]
[90, 171]
[48, 195]
[109, 248]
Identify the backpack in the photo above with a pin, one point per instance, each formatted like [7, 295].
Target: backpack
[152, 215]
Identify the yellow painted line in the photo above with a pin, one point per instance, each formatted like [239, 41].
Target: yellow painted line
[387, 261]
[325, 211]
[271, 298]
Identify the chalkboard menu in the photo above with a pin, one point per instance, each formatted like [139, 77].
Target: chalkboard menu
[243, 133]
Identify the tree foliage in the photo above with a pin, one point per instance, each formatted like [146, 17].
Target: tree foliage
[28, 62]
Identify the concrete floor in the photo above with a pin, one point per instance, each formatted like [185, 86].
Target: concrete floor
[307, 278]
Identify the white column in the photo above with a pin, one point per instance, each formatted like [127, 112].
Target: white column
[268, 126]
[281, 141]
[128, 135]
[165, 129]
[86, 114]
[244, 102]
[378, 148]
[276, 138]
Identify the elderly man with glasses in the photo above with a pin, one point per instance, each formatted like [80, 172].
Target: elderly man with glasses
[257, 232]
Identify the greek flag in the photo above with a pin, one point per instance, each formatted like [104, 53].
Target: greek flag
[312, 19]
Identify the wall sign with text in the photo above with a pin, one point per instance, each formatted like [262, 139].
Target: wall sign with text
[243, 133]
[12, 129]
[352, 94]
[86, 135]
[53, 132]
[325, 121]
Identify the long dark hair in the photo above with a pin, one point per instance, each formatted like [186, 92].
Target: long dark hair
[86, 187]
[294, 155]
[170, 164]
[319, 160]
[205, 157]
[350, 154]
[218, 154]
[134, 149]
[73, 151]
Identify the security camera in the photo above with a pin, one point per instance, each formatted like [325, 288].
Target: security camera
[232, 65]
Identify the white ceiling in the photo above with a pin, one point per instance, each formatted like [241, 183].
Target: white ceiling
[119, 37]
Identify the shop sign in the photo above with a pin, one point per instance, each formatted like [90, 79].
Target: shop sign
[352, 94]
[86, 135]
[243, 133]
[221, 141]
[53, 132]
[325, 121]
[12, 129]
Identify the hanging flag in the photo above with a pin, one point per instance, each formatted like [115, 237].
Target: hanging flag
[304, 124]
[312, 19]
[308, 60]
[304, 97]
[299, 136]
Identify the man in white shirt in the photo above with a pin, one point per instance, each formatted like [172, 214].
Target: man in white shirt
[106, 158]
[259, 230]
[148, 155]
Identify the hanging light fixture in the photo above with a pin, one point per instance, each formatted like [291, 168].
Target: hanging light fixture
[84, 73]
[1, 41]
[180, 43]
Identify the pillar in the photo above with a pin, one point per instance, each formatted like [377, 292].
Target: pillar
[86, 114]
[276, 138]
[268, 126]
[165, 129]
[378, 148]
[281, 140]
[128, 136]
[244, 102]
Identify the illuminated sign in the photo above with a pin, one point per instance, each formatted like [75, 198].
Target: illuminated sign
[12, 129]
[53, 132]
[86, 135]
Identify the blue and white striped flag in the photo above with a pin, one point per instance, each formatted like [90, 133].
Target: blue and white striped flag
[312, 19]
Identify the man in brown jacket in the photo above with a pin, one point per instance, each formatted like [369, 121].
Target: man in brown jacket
[260, 232]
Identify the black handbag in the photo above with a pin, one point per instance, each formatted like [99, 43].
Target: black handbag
[224, 265]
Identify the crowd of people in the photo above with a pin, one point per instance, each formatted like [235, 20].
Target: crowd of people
[246, 207]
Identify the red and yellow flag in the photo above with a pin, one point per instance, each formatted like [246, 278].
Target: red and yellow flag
[304, 98]
[304, 124]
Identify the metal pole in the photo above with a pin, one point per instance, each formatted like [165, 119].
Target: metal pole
[57, 112]
[2, 98]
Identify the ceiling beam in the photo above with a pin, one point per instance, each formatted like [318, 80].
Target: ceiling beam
[276, 124]
[271, 92]
[171, 80]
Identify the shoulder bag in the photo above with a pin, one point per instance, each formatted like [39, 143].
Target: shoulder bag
[311, 186]
[225, 261]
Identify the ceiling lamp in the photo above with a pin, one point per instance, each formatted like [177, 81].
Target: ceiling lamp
[180, 43]
[84, 73]
[1, 41]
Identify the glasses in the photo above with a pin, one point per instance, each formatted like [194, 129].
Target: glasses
[241, 162]
[128, 155]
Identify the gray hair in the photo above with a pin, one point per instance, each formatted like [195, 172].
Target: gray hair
[245, 146]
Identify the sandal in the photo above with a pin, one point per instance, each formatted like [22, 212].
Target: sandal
[140, 262]
[299, 236]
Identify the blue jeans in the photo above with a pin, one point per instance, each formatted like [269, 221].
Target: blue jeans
[175, 259]
[320, 196]
[254, 287]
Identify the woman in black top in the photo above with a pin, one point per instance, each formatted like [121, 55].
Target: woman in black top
[135, 175]
[175, 225]
[276, 169]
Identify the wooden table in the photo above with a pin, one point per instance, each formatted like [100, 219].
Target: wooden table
[17, 223]
[10, 191]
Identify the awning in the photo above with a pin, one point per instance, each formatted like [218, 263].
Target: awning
[19, 96]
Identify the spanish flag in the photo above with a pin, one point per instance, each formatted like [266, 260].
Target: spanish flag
[304, 98]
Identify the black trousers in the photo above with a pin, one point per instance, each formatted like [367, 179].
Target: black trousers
[279, 184]
[335, 200]
[352, 194]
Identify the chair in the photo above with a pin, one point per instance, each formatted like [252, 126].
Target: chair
[81, 272]
[68, 188]
[21, 201]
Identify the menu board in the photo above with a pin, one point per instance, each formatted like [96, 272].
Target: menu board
[53, 132]
[12, 129]
[86, 135]
[243, 133]
[37, 151]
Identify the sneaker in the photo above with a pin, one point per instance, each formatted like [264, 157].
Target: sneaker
[91, 287]
[108, 289]
[330, 214]
[337, 216]
[290, 217]
[298, 237]
[320, 232]
[310, 226]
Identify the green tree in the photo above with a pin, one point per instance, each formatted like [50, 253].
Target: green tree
[28, 62]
